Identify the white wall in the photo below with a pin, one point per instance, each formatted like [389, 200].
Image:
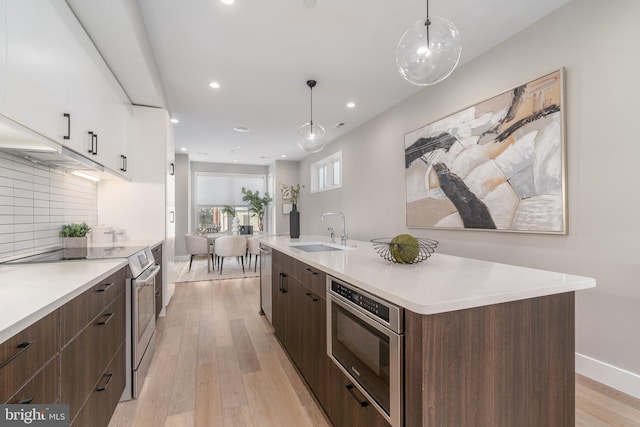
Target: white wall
[597, 43]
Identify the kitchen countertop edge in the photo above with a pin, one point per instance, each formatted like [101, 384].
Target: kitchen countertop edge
[405, 294]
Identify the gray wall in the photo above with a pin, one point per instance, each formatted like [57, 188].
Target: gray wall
[183, 198]
[284, 172]
[596, 42]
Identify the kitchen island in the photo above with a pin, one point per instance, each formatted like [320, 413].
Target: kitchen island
[485, 343]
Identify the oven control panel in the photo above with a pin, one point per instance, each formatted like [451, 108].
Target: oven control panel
[363, 301]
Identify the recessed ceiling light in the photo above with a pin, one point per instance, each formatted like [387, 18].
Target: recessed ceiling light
[227, 1]
[235, 161]
[351, 105]
[183, 149]
[283, 156]
[175, 121]
[241, 129]
[201, 153]
[214, 85]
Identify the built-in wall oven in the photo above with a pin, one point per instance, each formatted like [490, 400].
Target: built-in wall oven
[365, 339]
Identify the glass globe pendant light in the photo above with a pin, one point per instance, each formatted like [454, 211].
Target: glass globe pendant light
[313, 137]
[429, 51]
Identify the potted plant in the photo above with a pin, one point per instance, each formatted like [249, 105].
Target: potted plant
[257, 204]
[289, 192]
[74, 235]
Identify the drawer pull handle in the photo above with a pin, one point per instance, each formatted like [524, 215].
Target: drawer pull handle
[104, 386]
[312, 296]
[25, 401]
[315, 273]
[362, 403]
[106, 318]
[105, 288]
[22, 347]
[157, 294]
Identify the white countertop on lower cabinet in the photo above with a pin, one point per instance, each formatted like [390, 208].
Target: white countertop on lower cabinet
[440, 284]
[29, 292]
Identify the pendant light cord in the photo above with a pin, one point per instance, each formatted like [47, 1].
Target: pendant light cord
[311, 121]
[427, 23]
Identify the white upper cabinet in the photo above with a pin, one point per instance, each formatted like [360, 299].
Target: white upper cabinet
[58, 84]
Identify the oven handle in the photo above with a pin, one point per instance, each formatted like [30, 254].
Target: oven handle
[148, 280]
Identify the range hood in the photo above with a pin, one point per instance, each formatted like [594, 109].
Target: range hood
[25, 143]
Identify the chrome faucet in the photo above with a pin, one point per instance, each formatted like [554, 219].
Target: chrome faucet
[344, 237]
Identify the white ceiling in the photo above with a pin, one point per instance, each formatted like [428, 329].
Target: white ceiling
[262, 53]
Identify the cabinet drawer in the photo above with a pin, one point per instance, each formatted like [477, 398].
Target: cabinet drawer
[101, 404]
[22, 355]
[42, 389]
[76, 314]
[84, 360]
[314, 279]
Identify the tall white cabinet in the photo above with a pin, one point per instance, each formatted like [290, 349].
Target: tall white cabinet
[145, 206]
[55, 82]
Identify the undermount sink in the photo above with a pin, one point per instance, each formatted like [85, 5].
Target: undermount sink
[320, 247]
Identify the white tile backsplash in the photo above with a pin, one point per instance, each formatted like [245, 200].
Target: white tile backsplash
[35, 201]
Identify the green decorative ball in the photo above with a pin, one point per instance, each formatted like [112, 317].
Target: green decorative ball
[404, 248]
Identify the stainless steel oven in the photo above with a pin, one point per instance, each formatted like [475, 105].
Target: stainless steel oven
[142, 317]
[365, 339]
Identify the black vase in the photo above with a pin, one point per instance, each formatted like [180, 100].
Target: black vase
[294, 222]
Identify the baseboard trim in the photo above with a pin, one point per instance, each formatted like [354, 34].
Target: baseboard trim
[612, 376]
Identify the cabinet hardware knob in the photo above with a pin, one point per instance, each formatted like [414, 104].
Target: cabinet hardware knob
[106, 318]
[312, 296]
[91, 140]
[351, 389]
[22, 347]
[104, 386]
[68, 117]
[105, 288]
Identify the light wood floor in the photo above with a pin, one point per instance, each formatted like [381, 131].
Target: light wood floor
[218, 364]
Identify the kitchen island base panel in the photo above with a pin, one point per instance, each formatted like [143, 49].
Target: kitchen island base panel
[501, 365]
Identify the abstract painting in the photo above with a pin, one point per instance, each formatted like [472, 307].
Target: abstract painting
[497, 165]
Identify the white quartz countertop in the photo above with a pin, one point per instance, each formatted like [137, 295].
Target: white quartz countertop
[29, 292]
[440, 284]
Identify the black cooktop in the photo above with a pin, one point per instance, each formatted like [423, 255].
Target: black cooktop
[79, 254]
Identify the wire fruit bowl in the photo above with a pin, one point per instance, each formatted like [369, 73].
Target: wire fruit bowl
[386, 249]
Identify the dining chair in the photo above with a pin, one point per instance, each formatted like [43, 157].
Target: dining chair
[197, 246]
[230, 246]
[253, 247]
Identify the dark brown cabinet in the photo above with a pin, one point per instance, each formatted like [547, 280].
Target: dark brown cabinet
[157, 256]
[299, 319]
[347, 406]
[92, 363]
[25, 360]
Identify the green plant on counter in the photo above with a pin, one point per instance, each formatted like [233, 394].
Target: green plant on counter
[257, 204]
[74, 230]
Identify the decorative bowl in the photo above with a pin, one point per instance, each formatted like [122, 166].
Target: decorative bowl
[383, 247]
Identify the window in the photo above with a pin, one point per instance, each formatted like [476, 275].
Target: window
[214, 191]
[326, 174]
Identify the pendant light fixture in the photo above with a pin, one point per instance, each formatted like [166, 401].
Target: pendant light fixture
[313, 137]
[428, 51]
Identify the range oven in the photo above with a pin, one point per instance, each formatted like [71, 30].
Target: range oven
[141, 316]
[365, 339]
